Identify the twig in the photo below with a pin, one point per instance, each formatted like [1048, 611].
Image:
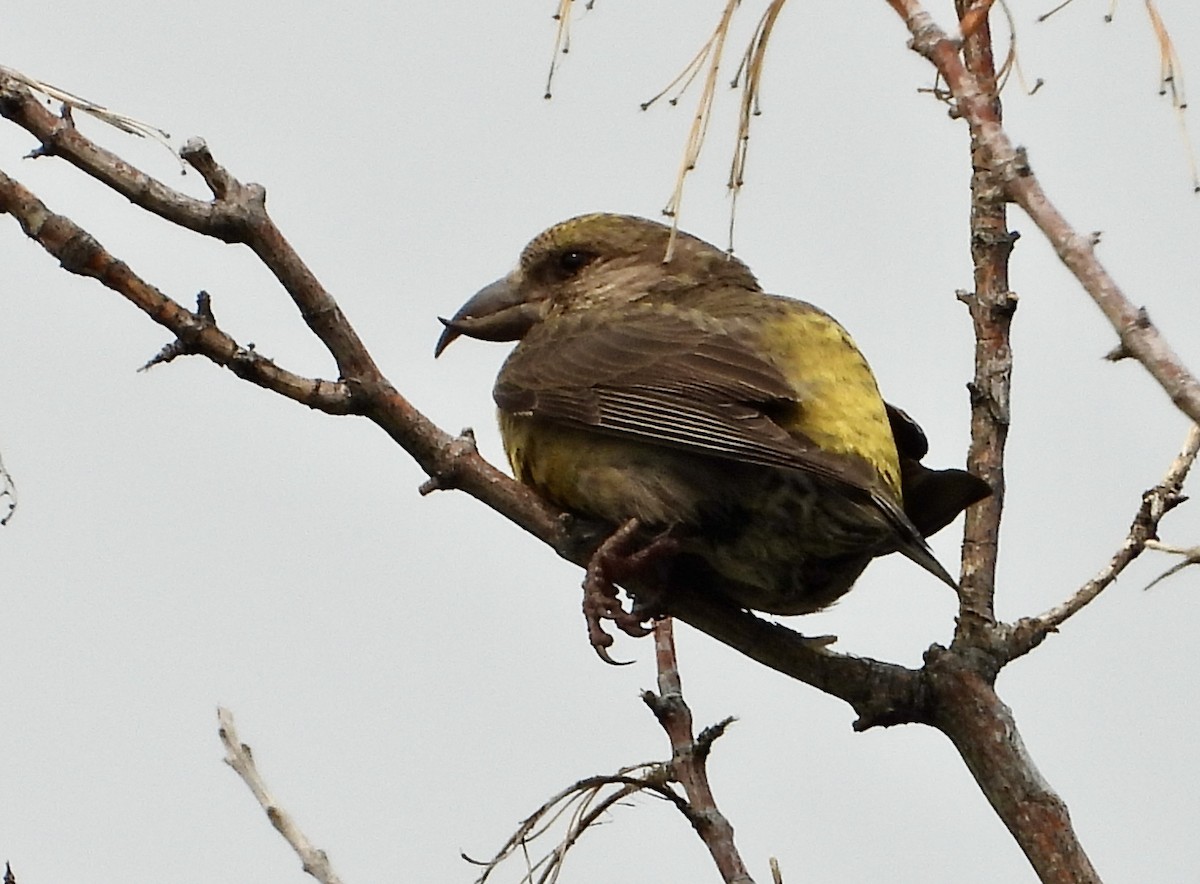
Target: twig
[562, 38]
[238, 756]
[689, 758]
[106, 115]
[8, 493]
[1170, 75]
[1171, 82]
[749, 74]
[80, 253]
[1139, 338]
[709, 53]
[1012, 59]
[1156, 503]
[586, 802]
[1191, 556]
[992, 306]
[238, 214]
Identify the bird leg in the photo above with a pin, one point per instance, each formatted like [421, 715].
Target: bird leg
[613, 560]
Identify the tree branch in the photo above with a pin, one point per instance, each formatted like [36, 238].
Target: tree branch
[689, 758]
[991, 306]
[985, 734]
[78, 252]
[1139, 338]
[239, 757]
[1029, 632]
[238, 214]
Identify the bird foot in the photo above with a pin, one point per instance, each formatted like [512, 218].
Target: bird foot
[614, 560]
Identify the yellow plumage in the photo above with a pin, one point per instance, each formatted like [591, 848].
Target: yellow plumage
[842, 410]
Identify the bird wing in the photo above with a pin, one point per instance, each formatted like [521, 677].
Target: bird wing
[681, 380]
[669, 378]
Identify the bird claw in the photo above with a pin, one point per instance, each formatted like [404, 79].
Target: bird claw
[600, 643]
[611, 560]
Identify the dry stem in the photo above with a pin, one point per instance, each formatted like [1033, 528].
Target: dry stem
[239, 757]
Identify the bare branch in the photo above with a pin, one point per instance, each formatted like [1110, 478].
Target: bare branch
[960, 680]
[239, 757]
[585, 801]
[100, 112]
[709, 57]
[985, 734]
[1138, 337]
[237, 215]
[992, 306]
[689, 758]
[8, 493]
[1156, 503]
[80, 253]
[1191, 556]
[749, 74]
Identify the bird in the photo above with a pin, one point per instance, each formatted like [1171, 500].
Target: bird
[732, 440]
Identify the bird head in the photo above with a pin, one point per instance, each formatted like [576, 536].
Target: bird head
[586, 261]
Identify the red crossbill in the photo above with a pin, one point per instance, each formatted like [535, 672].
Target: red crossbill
[746, 428]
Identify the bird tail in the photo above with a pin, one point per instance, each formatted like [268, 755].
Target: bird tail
[912, 543]
[918, 550]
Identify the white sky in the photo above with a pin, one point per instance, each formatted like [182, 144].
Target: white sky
[413, 673]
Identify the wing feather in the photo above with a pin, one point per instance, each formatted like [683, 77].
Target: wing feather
[681, 380]
[670, 378]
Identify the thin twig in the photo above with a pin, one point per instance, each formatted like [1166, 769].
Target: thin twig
[585, 802]
[1171, 82]
[106, 115]
[749, 74]
[237, 214]
[78, 252]
[1156, 503]
[562, 40]
[1012, 59]
[1061, 6]
[1139, 337]
[711, 53]
[1170, 76]
[1191, 556]
[689, 758]
[8, 493]
[239, 757]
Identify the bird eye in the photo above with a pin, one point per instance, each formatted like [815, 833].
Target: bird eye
[571, 261]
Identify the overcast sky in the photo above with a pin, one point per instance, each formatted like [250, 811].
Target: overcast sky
[413, 673]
